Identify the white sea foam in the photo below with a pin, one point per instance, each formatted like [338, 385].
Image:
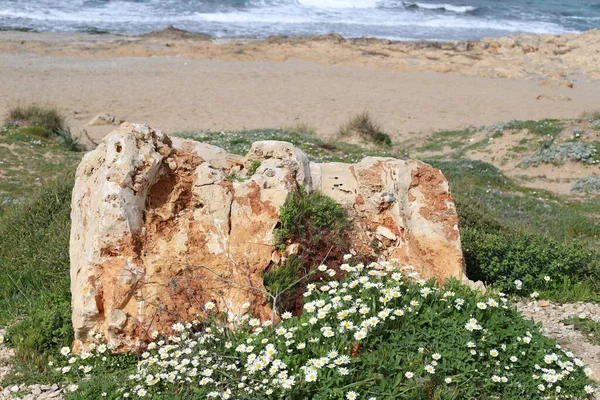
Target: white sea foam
[340, 3]
[445, 7]
[405, 19]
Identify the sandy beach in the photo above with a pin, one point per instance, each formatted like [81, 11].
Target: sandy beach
[177, 81]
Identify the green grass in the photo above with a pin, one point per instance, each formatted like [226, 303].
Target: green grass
[317, 149]
[69, 140]
[439, 140]
[27, 161]
[34, 251]
[586, 326]
[542, 127]
[35, 298]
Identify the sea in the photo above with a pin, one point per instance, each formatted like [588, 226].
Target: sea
[429, 20]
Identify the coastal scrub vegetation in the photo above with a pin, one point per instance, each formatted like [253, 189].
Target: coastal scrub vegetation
[312, 219]
[378, 333]
[588, 184]
[586, 153]
[537, 234]
[317, 149]
[544, 127]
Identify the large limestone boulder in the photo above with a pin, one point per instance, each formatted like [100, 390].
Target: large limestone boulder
[161, 226]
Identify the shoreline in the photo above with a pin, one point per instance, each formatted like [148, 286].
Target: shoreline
[552, 57]
[176, 83]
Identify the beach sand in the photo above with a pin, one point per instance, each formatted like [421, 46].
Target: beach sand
[176, 82]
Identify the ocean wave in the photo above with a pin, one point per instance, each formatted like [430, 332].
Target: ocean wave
[293, 19]
[259, 18]
[441, 7]
[340, 3]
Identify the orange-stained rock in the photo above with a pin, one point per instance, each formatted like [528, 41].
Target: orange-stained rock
[159, 226]
[409, 213]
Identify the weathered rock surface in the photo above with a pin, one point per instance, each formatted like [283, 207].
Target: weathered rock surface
[160, 226]
[402, 208]
[105, 119]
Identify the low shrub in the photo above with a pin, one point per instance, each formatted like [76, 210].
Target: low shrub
[570, 151]
[381, 333]
[364, 126]
[510, 256]
[311, 219]
[319, 225]
[589, 184]
[48, 118]
[282, 282]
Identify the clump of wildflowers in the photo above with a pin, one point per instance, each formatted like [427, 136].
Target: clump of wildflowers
[379, 332]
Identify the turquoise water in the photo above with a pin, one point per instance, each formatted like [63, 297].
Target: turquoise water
[392, 19]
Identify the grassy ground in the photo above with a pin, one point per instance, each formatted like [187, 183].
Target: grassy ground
[496, 213]
[27, 161]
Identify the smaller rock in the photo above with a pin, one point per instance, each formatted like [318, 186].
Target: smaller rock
[553, 97]
[386, 233]
[543, 303]
[292, 249]
[545, 82]
[276, 257]
[105, 119]
[479, 285]
[566, 84]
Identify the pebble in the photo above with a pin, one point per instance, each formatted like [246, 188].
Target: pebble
[30, 392]
[550, 315]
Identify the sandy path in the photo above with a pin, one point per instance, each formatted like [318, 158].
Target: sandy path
[175, 93]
